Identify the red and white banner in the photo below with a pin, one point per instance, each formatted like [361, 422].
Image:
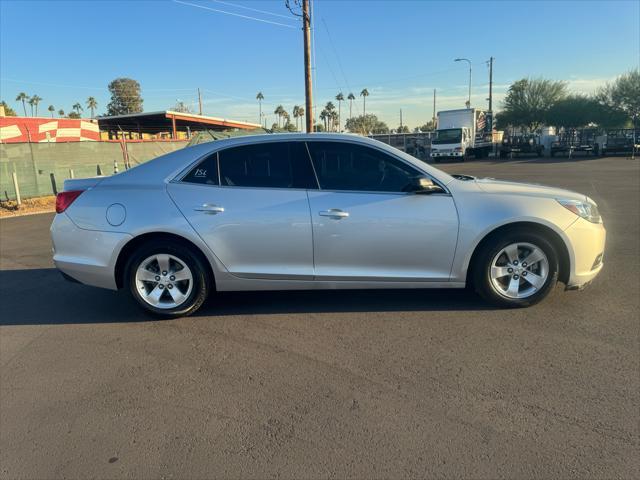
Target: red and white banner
[43, 130]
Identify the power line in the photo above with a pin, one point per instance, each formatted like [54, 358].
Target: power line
[233, 14]
[252, 9]
[335, 51]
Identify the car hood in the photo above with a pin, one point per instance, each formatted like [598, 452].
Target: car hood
[491, 185]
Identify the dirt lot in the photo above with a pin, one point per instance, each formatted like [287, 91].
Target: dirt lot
[29, 206]
[328, 384]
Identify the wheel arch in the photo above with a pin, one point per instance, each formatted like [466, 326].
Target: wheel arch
[137, 241]
[557, 241]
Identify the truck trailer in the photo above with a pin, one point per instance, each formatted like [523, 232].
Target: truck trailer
[462, 133]
[621, 141]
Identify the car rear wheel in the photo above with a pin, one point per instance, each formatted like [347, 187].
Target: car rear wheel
[167, 279]
[516, 269]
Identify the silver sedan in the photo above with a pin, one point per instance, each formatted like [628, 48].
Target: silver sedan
[296, 211]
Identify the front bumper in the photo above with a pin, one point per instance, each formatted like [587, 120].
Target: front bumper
[586, 243]
[446, 154]
[87, 256]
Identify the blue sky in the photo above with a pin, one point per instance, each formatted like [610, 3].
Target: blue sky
[399, 50]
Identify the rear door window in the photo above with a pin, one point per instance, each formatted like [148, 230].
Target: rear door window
[267, 165]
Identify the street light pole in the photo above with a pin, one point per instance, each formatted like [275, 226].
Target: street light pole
[469, 62]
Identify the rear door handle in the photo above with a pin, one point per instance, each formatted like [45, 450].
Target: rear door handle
[210, 209]
[334, 213]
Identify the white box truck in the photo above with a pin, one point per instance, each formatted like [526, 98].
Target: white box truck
[462, 133]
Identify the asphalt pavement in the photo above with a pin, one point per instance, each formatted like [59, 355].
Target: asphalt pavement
[331, 384]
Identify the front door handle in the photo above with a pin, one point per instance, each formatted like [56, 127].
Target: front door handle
[334, 213]
[209, 208]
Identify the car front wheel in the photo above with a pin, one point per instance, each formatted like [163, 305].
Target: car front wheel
[517, 269]
[167, 279]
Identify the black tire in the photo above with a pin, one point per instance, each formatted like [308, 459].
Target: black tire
[201, 283]
[481, 267]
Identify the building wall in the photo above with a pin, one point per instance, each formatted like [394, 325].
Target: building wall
[47, 130]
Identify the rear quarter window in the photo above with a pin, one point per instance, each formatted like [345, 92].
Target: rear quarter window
[206, 172]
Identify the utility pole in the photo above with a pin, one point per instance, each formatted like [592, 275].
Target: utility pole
[434, 108]
[491, 84]
[199, 102]
[306, 29]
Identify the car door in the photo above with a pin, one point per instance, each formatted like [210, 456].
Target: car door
[365, 225]
[249, 204]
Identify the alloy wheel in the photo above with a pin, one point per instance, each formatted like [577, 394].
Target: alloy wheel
[164, 281]
[519, 270]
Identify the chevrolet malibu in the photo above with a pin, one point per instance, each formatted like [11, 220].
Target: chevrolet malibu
[320, 211]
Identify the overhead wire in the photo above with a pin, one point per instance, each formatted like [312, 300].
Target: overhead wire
[247, 17]
[236, 5]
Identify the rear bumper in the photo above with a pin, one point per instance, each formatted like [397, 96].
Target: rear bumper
[587, 244]
[87, 256]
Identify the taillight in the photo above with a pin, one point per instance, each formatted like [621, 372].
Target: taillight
[65, 199]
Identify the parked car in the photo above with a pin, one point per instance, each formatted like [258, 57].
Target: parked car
[525, 144]
[299, 211]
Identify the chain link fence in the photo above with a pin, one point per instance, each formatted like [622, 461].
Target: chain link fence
[34, 163]
[415, 144]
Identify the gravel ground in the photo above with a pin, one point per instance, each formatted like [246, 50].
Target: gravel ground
[328, 384]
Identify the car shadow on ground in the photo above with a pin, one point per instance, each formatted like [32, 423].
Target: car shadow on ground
[43, 297]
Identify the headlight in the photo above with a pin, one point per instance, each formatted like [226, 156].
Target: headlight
[586, 210]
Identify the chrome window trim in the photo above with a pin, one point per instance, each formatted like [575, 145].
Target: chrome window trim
[178, 178]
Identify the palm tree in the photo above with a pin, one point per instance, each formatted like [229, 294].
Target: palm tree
[340, 99]
[286, 117]
[324, 116]
[351, 98]
[92, 104]
[61, 113]
[51, 109]
[260, 97]
[335, 119]
[330, 108]
[301, 114]
[23, 97]
[78, 108]
[296, 114]
[279, 111]
[36, 100]
[364, 94]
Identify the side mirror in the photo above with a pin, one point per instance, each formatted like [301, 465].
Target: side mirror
[424, 185]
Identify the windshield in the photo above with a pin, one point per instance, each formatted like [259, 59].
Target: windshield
[450, 135]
